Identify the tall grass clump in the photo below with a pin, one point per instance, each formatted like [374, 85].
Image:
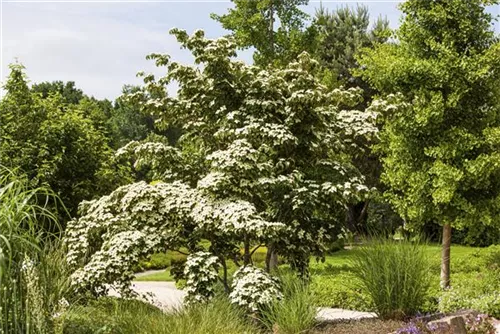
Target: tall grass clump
[24, 268]
[395, 274]
[295, 312]
[115, 315]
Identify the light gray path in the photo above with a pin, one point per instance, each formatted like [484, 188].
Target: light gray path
[150, 272]
[164, 294]
[330, 314]
[167, 296]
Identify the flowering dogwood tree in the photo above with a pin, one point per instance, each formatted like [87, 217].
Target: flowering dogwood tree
[262, 160]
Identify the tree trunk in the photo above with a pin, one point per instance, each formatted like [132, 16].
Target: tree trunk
[271, 28]
[356, 217]
[224, 275]
[246, 255]
[445, 257]
[271, 258]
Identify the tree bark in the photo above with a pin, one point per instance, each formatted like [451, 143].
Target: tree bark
[271, 258]
[224, 275]
[445, 257]
[356, 217]
[246, 255]
[271, 28]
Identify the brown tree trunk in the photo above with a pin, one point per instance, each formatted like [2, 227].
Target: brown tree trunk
[445, 257]
[246, 255]
[271, 28]
[271, 258]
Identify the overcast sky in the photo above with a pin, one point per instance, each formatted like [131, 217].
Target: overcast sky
[102, 45]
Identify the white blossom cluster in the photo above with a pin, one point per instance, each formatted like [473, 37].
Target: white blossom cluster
[115, 231]
[159, 157]
[201, 275]
[253, 287]
[358, 123]
[388, 106]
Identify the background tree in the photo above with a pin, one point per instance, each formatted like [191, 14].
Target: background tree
[126, 123]
[275, 28]
[68, 90]
[341, 35]
[55, 144]
[120, 121]
[440, 144]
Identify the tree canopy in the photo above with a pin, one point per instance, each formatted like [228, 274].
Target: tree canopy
[262, 154]
[439, 142]
[275, 28]
[54, 144]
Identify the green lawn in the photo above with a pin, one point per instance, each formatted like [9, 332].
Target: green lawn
[334, 263]
[163, 276]
[334, 285]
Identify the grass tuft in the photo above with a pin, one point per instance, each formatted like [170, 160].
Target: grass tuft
[296, 312]
[395, 274]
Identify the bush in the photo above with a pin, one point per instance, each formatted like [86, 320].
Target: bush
[335, 246]
[477, 291]
[395, 275]
[177, 264]
[156, 261]
[161, 261]
[340, 290]
[295, 312]
[491, 256]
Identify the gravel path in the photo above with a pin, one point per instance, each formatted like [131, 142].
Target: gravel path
[167, 296]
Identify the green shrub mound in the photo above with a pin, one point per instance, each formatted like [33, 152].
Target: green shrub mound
[478, 291]
[342, 290]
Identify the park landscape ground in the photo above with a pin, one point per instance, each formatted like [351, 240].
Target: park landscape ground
[347, 169]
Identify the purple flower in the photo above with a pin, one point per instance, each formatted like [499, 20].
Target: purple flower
[412, 328]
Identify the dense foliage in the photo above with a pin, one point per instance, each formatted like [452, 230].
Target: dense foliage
[439, 142]
[439, 146]
[245, 163]
[54, 144]
[261, 155]
[276, 29]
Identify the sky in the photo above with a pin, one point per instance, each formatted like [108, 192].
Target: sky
[101, 45]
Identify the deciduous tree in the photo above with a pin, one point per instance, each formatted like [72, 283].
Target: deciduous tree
[440, 140]
[261, 161]
[275, 28]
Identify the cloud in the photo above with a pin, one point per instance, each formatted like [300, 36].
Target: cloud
[101, 46]
[100, 52]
